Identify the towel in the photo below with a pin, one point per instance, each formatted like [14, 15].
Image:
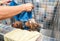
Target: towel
[24, 16]
[22, 35]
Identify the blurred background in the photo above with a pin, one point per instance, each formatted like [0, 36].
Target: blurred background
[46, 12]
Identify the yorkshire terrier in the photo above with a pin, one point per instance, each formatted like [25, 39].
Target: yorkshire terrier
[31, 24]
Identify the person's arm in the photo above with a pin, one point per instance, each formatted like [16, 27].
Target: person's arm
[10, 11]
[7, 11]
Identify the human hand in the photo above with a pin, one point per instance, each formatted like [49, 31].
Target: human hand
[28, 6]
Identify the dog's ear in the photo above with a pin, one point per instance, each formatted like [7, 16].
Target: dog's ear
[17, 24]
[20, 25]
[28, 24]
